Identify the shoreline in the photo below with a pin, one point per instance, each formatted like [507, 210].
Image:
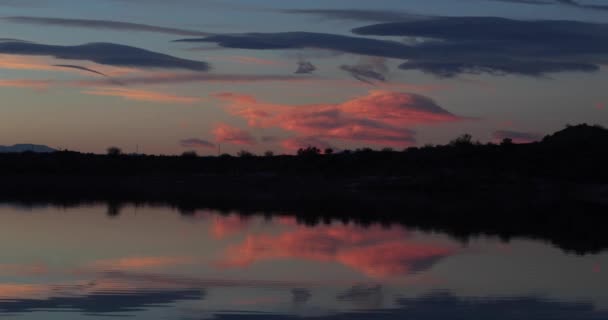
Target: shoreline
[569, 215]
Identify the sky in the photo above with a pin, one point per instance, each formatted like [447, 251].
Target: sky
[164, 77]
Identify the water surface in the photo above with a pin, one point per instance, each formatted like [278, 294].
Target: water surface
[155, 263]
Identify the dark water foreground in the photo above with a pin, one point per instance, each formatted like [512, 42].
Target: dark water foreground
[115, 260]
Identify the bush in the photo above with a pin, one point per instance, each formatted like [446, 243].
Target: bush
[245, 154]
[189, 154]
[114, 151]
[309, 151]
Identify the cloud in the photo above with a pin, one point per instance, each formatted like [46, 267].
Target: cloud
[254, 61]
[571, 3]
[516, 136]
[499, 45]
[177, 78]
[23, 269]
[305, 67]
[454, 45]
[376, 252]
[102, 24]
[302, 40]
[17, 62]
[226, 133]
[196, 143]
[36, 84]
[142, 95]
[368, 69]
[79, 68]
[380, 117]
[354, 14]
[139, 263]
[104, 53]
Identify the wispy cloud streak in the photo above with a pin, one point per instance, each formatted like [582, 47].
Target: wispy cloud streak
[103, 24]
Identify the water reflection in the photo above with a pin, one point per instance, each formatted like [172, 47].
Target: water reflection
[441, 306]
[153, 263]
[374, 251]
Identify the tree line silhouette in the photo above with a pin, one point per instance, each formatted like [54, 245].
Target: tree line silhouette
[577, 152]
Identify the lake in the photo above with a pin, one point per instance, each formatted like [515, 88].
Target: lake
[89, 262]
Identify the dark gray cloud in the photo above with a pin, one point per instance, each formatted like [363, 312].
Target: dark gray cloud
[500, 46]
[581, 5]
[70, 66]
[354, 14]
[305, 67]
[368, 70]
[456, 45]
[11, 40]
[306, 40]
[571, 3]
[196, 143]
[102, 24]
[104, 53]
[537, 2]
[175, 78]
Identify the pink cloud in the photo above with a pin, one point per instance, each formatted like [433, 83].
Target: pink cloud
[184, 77]
[380, 117]
[142, 95]
[226, 133]
[129, 263]
[35, 84]
[23, 269]
[254, 61]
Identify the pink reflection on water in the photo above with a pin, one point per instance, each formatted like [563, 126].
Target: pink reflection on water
[375, 252]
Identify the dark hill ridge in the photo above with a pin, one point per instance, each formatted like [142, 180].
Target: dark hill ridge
[18, 148]
[578, 136]
[556, 189]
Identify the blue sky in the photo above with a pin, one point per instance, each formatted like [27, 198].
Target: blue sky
[425, 81]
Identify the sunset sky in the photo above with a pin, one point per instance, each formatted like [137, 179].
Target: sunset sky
[172, 76]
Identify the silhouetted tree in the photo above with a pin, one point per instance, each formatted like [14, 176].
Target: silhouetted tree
[114, 151]
[464, 140]
[189, 154]
[506, 142]
[269, 154]
[329, 151]
[309, 151]
[245, 154]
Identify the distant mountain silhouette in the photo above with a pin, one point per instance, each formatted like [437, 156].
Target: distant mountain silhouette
[18, 148]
